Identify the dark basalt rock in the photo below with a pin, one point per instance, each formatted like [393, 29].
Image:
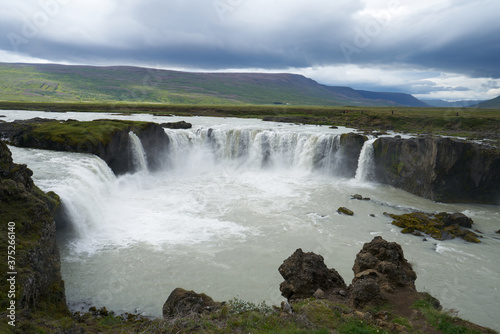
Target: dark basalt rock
[345, 211]
[177, 125]
[380, 268]
[305, 273]
[350, 149]
[360, 197]
[457, 219]
[365, 291]
[388, 263]
[441, 169]
[182, 302]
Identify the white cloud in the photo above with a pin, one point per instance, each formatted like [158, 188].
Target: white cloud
[12, 57]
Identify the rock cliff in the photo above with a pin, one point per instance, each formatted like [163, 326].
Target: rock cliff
[440, 169]
[343, 155]
[108, 139]
[27, 212]
[350, 149]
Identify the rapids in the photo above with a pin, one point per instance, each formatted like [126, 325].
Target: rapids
[236, 198]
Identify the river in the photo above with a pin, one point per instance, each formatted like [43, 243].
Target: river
[234, 199]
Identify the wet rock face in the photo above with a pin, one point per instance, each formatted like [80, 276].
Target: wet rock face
[39, 282]
[305, 273]
[350, 149]
[441, 169]
[182, 302]
[459, 219]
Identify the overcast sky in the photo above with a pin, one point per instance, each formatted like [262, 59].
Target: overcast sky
[448, 49]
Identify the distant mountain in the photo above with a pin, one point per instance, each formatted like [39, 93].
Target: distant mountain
[51, 82]
[490, 104]
[395, 98]
[456, 104]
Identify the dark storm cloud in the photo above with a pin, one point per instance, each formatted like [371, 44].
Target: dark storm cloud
[194, 33]
[444, 36]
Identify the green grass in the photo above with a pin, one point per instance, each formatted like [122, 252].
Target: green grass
[443, 321]
[75, 133]
[478, 123]
[51, 83]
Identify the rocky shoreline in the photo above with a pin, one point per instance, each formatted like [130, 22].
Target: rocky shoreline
[383, 280]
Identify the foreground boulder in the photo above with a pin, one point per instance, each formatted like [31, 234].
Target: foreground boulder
[380, 267]
[305, 273]
[182, 302]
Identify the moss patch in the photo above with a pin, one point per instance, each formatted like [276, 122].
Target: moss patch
[77, 134]
[432, 225]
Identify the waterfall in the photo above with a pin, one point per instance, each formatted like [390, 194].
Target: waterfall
[84, 192]
[252, 148]
[138, 155]
[84, 183]
[365, 163]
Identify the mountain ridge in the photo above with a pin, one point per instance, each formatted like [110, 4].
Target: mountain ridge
[490, 104]
[81, 83]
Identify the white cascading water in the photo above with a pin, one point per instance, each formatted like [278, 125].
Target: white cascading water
[138, 154]
[231, 205]
[254, 149]
[364, 173]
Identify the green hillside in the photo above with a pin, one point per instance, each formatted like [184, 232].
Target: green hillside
[62, 83]
[490, 104]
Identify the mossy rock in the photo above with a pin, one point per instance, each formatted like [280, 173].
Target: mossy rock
[433, 225]
[345, 211]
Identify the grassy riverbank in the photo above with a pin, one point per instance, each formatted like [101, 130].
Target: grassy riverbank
[319, 316]
[466, 122]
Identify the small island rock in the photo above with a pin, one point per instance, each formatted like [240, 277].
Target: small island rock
[345, 211]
